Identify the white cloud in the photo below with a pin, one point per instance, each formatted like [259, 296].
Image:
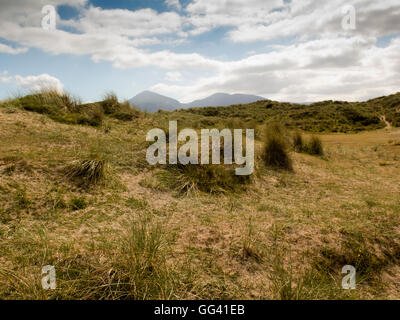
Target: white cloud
[10, 50]
[347, 68]
[205, 15]
[36, 83]
[320, 61]
[139, 23]
[28, 12]
[174, 76]
[102, 46]
[174, 4]
[4, 78]
[260, 20]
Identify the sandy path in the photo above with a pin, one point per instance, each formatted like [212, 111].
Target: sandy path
[388, 124]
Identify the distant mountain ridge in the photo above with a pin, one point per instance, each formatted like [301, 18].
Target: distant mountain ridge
[224, 100]
[152, 102]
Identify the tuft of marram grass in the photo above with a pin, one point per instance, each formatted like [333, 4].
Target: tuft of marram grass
[211, 179]
[61, 107]
[314, 146]
[87, 172]
[121, 111]
[298, 142]
[141, 267]
[110, 103]
[276, 152]
[53, 97]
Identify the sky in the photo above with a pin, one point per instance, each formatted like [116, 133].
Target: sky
[285, 50]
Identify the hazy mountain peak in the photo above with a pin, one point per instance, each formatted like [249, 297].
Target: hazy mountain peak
[152, 102]
[224, 99]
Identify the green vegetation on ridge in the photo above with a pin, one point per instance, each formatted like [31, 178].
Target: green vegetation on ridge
[325, 116]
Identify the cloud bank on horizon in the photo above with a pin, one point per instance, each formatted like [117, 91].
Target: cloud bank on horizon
[286, 50]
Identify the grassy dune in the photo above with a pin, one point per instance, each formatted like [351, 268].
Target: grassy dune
[129, 234]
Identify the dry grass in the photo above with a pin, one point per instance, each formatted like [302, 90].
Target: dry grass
[285, 236]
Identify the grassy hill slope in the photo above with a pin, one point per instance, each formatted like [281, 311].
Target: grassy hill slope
[326, 116]
[132, 235]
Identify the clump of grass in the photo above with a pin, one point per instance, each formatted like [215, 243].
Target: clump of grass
[15, 164]
[21, 200]
[87, 172]
[298, 142]
[121, 111]
[91, 114]
[309, 284]
[64, 108]
[141, 271]
[250, 249]
[110, 103]
[61, 107]
[54, 98]
[55, 198]
[276, 152]
[358, 252]
[314, 146]
[136, 203]
[78, 203]
[206, 178]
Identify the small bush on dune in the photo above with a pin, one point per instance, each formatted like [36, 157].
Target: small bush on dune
[276, 148]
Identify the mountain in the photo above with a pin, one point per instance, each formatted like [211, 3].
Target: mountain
[152, 102]
[223, 100]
